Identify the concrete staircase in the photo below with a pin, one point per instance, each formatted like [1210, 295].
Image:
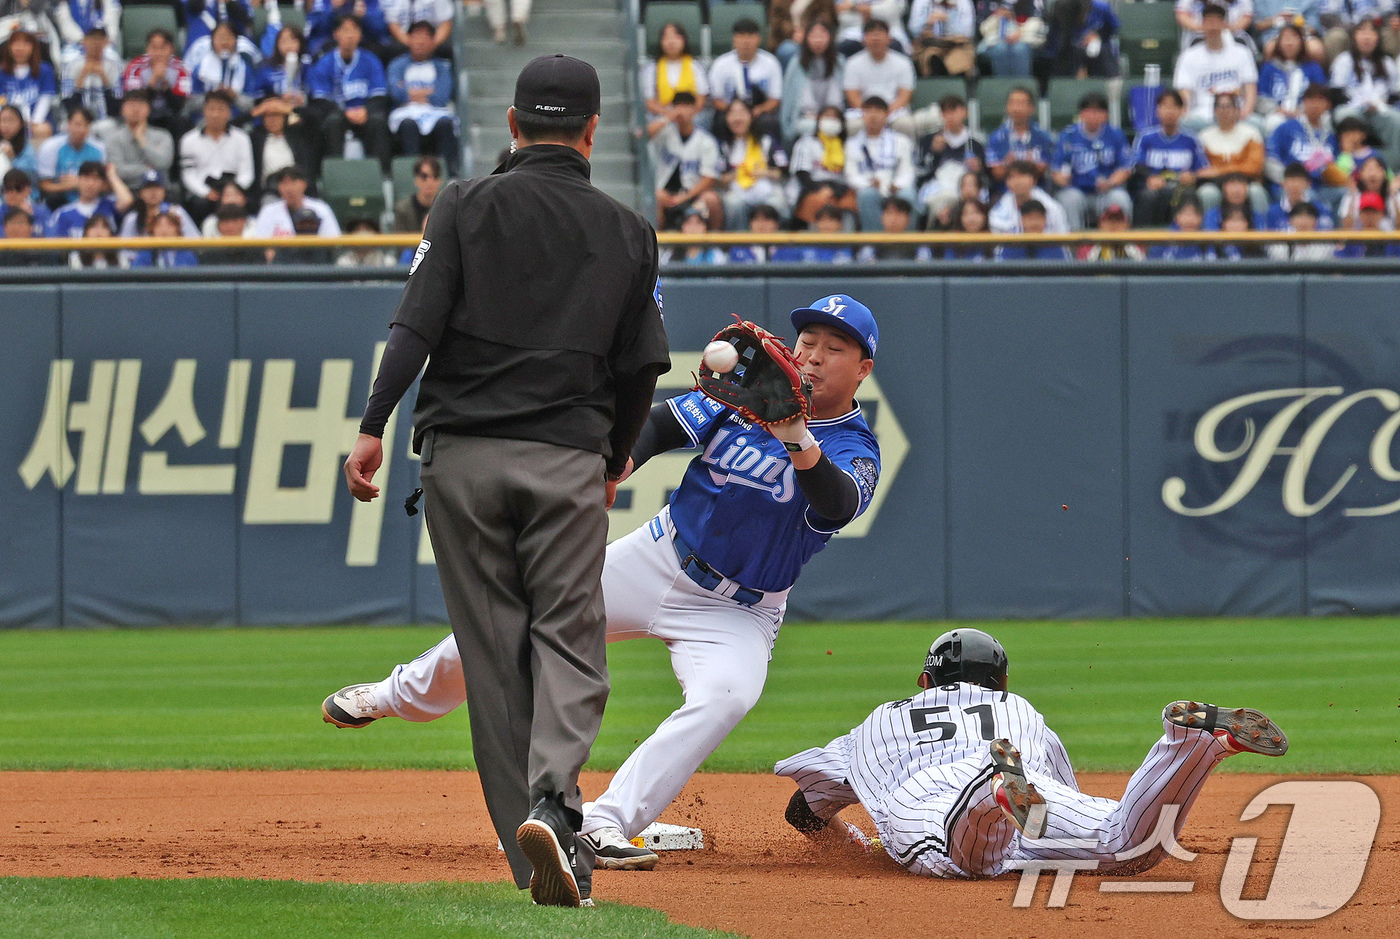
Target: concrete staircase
[592, 30]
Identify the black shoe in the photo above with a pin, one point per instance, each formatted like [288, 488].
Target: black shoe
[551, 845]
[1239, 730]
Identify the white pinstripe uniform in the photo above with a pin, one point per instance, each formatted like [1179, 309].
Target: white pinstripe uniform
[921, 768]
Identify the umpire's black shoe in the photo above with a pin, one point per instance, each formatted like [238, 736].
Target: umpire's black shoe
[549, 842]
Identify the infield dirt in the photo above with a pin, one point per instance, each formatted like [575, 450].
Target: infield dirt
[756, 876]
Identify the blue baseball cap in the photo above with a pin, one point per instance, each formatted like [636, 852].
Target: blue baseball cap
[841, 312]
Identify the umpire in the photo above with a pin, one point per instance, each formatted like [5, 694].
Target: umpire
[533, 299]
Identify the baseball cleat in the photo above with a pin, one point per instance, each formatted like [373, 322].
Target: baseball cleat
[352, 706]
[553, 882]
[1016, 795]
[613, 852]
[1241, 730]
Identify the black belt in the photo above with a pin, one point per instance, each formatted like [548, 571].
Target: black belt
[707, 577]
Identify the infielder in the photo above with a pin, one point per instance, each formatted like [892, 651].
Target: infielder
[965, 780]
[709, 575]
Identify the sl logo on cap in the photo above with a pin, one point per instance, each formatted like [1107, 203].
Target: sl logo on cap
[834, 306]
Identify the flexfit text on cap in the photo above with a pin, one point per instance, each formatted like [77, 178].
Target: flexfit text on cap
[842, 312]
[558, 86]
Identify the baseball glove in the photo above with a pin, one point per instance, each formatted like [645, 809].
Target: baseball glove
[766, 387]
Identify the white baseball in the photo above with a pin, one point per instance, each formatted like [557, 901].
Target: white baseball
[721, 356]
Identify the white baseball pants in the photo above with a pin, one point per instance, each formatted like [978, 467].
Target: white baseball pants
[719, 652]
[944, 821]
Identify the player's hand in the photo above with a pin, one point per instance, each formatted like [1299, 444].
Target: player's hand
[790, 431]
[610, 487]
[364, 461]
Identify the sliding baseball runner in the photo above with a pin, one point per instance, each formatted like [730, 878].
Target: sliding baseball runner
[785, 461]
[966, 780]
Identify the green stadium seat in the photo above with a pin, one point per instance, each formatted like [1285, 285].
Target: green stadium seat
[1148, 36]
[929, 91]
[1064, 95]
[657, 15]
[138, 21]
[291, 16]
[352, 188]
[723, 16]
[401, 172]
[991, 99]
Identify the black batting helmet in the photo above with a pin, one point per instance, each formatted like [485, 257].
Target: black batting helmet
[966, 655]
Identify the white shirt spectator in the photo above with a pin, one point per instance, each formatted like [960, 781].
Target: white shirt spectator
[731, 78]
[887, 162]
[407, 12]
[1205, 73]
[275, 219]
[884, 79]
[850, 25]
[1005, 216]
[1370, 90]
[696, 157]
[961, 21]
[202, 157]
[1234, 15]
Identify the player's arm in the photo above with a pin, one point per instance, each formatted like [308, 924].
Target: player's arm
[661, 433]
[404, 355]
[434, 283]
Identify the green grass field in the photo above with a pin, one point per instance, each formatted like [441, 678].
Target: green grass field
[219, 908]
[251, 699]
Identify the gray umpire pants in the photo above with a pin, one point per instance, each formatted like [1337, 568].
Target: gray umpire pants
[520, 530]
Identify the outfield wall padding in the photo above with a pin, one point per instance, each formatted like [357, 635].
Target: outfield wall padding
[1064, 447]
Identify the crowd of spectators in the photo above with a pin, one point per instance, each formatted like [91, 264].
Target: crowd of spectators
[1276, 116]
[1273, 118]
[222, 132]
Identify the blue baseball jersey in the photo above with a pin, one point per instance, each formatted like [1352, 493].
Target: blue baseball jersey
[69, 221]
[811, 254]
[1288, 85]
[1213, 217]
[739, 507]
[1156, 152]
[349, 84]
[1005, 145]
[1276, 219]
[1294, 141]
[1043, 253]
[1091, 158]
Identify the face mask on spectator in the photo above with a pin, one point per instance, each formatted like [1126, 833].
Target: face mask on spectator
[830, 126]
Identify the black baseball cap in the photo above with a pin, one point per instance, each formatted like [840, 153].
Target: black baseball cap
[558, 86]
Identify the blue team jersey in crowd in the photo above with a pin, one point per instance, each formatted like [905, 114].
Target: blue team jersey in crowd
[1042, 253]
[1156, 152]
[69, 221]
[1005, 145]
[24, 93]
[739, 507]
[40, 212]
[1091, 158]
[1276, 84]
[1294, 141]
[349, 84]
[1277, 216]
[1211, 221]
[818, 254]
